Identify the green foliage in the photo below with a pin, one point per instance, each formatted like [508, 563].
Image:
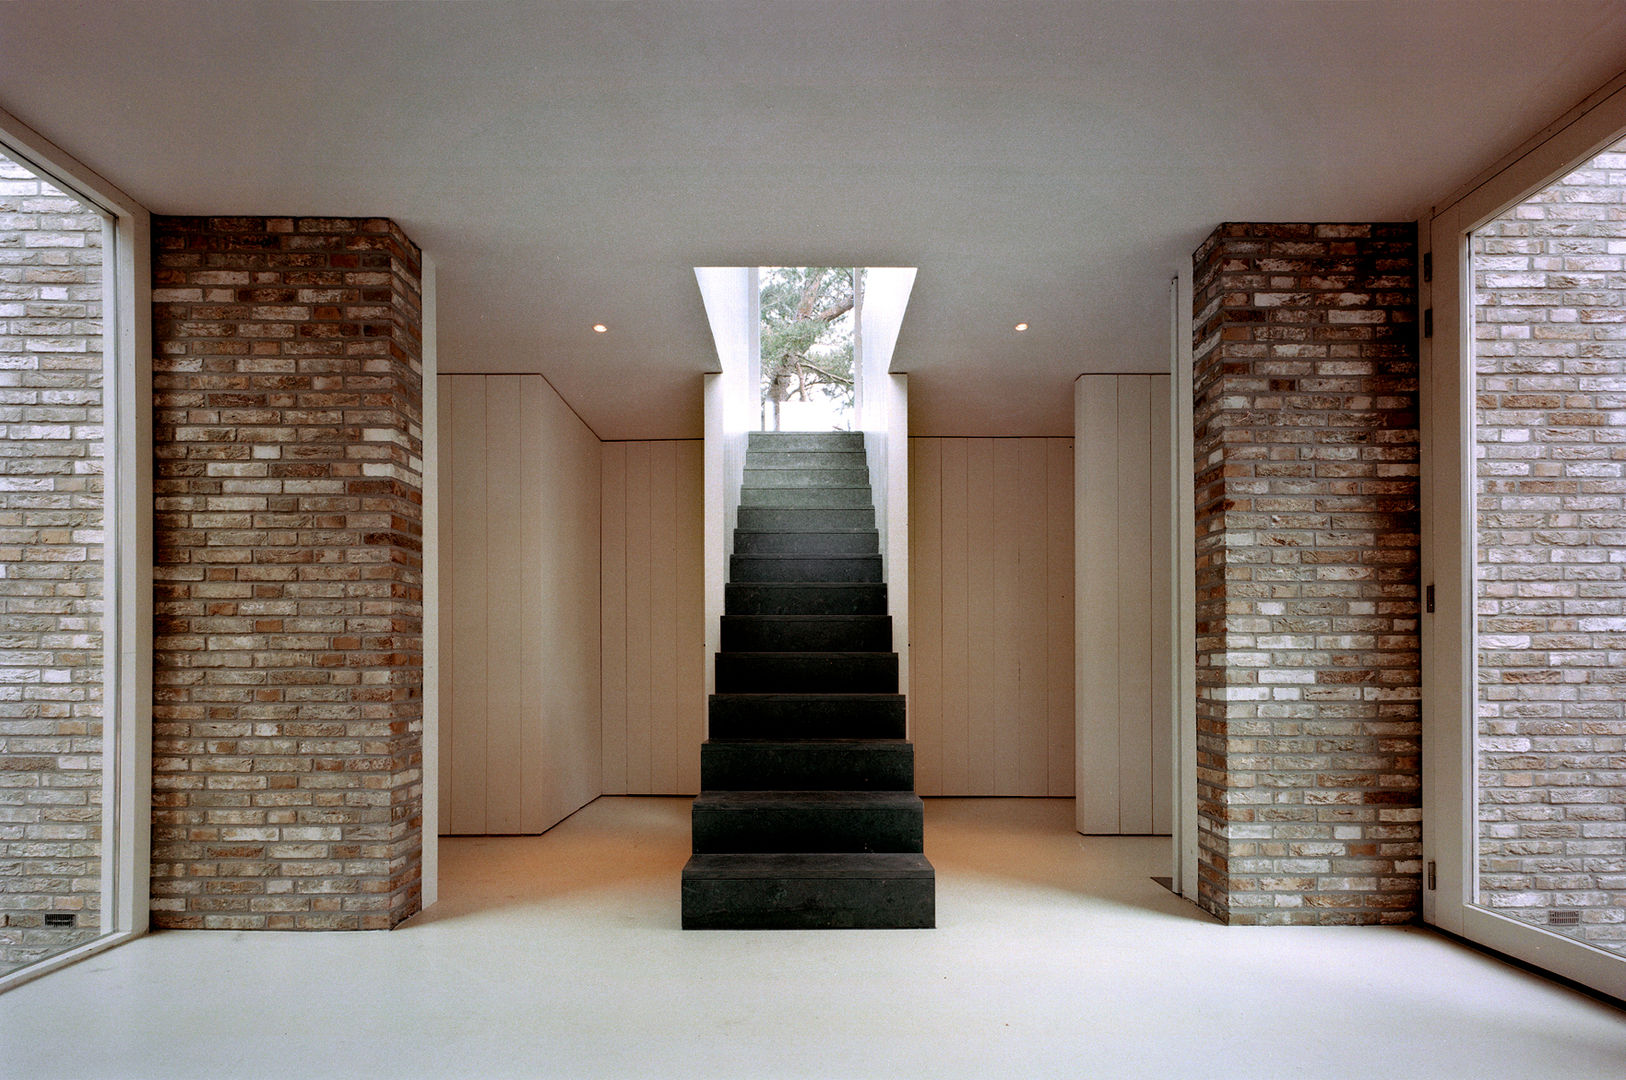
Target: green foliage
[807, 345]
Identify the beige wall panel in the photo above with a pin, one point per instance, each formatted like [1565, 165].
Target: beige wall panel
[576, 725]
[465, 711]
[640, 623]
[1097, 587]
[1134, 615]
[1060, 733]
[662, 615]
[520, 557]
[538, 564]
[613, 618]
[1007, 620]
[1161, 654]
[689, 629]
[956, 607]
[654, 616]
[926, 612]
[991, 583]
[563, 753]
[447, 463]
[1030, 730]
[981, 558]
[505, 608]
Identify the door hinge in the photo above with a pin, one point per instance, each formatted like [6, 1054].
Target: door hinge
[1428, 322]
[1431, 880]
[1428, 266]
[1428, 599]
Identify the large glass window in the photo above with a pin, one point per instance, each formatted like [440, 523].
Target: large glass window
[1549, 279]
[59, 782]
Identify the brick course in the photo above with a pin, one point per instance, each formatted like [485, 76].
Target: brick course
[50, 568]
[288, 697]
[1307, 565]
[1550, 330]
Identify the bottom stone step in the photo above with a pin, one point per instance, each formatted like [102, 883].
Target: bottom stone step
[837, 891]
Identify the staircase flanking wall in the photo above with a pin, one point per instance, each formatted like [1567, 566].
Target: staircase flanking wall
[807, 818]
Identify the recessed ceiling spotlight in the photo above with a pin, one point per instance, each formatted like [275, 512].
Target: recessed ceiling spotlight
[600, 328]
[1021, 326]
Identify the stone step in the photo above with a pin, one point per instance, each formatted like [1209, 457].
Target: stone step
[801, 821]
[805, 478]
[820, 441]
[820, 542]
[807, 764]
[826, 891]
[806, 459]
[807, 633]
[807, 673]
[818, 498]
[806, 716]
[793, 519]
[804, 598]
[804, 568]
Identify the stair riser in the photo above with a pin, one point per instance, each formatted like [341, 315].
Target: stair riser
[817, 441]
[853, 542]
[808, 599]
[752, 717]
[808, 903]
[768, 829]
[799, 568]
[805, 478]
[834, 633]
[807, 673]
[870, 765]
[805, 459]
[781, 519]
[829, 498]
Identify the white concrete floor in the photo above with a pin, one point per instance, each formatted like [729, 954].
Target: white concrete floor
[560, 956]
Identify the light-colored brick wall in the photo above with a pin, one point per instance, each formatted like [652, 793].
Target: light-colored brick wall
[50, 568]
[1550, 329]
[288, 697]
[1307, 567]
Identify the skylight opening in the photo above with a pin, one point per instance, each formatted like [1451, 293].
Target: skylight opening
[810, 346]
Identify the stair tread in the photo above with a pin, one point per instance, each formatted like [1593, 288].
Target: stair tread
[835, 742]
[799, 617]
[781, 655]
[818, 698]
[810, 864]
[748, 801]
[781, 555]
[847, 585]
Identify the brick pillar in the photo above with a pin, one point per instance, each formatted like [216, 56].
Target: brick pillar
[288, 697]
[1307, 566]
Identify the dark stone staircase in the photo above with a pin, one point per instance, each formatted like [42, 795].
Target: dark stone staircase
[808, 817]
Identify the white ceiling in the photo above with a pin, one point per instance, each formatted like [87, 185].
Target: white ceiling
[570, 163]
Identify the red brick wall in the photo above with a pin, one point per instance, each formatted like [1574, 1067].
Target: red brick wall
[1307, 573]
[287, 395]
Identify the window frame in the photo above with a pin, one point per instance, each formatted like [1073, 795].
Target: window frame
[127, 542]
[1449, 562]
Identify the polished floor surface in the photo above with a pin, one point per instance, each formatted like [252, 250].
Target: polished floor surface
[1056, 955]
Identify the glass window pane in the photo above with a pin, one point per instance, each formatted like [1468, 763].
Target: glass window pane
[1550, 356]
[51, 569]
